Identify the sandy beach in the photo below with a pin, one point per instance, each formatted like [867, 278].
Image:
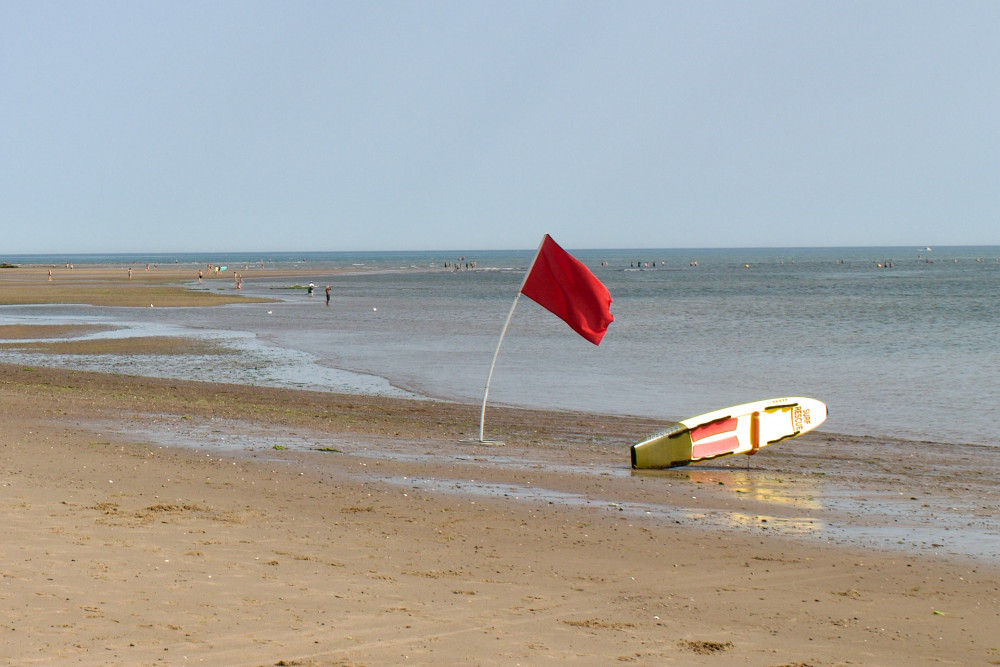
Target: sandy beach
[166, 522]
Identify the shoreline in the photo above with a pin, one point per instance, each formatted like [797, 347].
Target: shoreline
[303, 353]
[826, 486]
[323, 529]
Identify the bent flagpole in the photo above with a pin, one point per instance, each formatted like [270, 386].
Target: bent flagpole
[503, 332]
[561, 284]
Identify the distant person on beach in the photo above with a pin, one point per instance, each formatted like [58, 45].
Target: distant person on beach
[310, 289]
[328, 290]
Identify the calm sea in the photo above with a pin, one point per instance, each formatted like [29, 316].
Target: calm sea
[897, 341]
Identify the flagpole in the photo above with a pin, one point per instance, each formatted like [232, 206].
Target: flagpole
[482, 414]
[486, 393]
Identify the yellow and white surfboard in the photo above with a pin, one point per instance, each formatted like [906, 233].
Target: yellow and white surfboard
[742, 429]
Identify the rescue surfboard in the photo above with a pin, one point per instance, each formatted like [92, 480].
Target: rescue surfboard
[742, 429]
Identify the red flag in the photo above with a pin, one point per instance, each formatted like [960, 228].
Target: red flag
[561, 284]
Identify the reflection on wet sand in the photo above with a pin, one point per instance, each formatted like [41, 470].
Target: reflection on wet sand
[766, 501]
[764, 487]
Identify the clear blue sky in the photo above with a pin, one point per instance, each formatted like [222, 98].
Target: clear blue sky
[238, 125]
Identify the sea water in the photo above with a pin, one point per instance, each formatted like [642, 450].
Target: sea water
[898, 342]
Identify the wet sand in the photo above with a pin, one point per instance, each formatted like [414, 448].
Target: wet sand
[162, 522]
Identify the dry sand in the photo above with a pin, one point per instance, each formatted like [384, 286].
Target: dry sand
[159, 522]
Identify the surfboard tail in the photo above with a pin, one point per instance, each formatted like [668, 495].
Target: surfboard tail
[665, 450]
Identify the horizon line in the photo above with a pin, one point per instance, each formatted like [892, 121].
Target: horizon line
[921, 247]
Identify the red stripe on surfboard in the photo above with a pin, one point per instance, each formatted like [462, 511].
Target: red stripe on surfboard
[714, 428]
[716, 447]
